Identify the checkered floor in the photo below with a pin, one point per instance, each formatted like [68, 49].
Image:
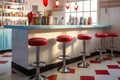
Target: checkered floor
[107, 70]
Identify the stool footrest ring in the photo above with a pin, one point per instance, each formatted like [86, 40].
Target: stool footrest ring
[113, 48]
[100, 50]
[41, 63]
[61, 57]
[86, 53]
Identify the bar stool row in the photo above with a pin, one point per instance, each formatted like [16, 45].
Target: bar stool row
[39, 42]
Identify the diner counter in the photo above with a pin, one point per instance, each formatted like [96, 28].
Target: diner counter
[23, 54]
[29, 27]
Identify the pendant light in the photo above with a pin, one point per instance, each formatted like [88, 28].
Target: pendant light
[56, 3]
[67, 5]
[76, 6]
[45, 2]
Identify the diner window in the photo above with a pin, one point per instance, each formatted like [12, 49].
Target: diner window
[86, 8]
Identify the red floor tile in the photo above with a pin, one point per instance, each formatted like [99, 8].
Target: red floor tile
[3, 62]
[94, 61]
[87, 78]
[102, 72]
[113, 66]
[52, 77]
[107, 59]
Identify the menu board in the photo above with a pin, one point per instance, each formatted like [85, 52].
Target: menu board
[109, 3]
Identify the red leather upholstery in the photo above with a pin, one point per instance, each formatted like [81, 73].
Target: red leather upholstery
[64, 38]
[84, 36]
[112, 34]
[101, 35]
[38, 41]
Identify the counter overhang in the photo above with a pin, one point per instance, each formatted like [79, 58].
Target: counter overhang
[30, 27]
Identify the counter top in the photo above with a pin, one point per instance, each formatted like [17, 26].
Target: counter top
[29, 27]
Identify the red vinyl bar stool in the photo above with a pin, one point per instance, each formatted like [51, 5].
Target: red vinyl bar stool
[101, 35]
[38, 42]
[112, 35]
[84, 37]
[64, 39]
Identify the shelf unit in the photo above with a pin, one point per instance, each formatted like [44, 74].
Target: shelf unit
[11, 13]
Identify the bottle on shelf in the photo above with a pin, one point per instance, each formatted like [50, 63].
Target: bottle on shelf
[47, 18]
[89, 20]
[85, 21]
[75, 20]
[81, 21]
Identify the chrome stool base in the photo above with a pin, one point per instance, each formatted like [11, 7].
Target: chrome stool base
[41, 77]
[83, 65]
[63, 69]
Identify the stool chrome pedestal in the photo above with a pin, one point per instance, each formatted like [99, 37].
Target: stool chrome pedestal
[84, 37]
[112, 35]
[101, 35]
[37, 42]
[64, 39]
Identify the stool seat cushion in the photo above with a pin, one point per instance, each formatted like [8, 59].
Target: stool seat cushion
[64, 38]
[38, 41]
[84, 36]
[101, 35]
[112, 34]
